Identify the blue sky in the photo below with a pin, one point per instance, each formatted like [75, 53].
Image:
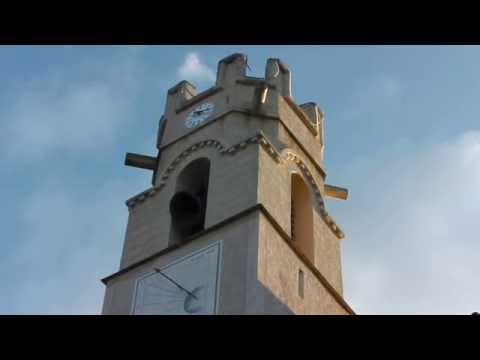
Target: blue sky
[402, 134]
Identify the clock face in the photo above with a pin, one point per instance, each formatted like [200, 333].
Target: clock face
[199, 115]
[186, 287]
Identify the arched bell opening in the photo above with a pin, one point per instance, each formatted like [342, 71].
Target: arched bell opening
[189, 203]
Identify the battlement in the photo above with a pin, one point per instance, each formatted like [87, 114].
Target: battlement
[269, 96]
[232, 70]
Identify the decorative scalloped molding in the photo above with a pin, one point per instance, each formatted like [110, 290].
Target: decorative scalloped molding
[269, 148]
[291, 156]
[186, 153]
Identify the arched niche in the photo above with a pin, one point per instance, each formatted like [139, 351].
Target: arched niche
[302, 217]
[188, 205]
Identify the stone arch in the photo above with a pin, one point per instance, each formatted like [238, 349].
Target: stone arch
[288, 155]
[308, 177]
[188, 205]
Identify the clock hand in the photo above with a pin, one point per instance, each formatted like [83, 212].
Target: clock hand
[173, 281]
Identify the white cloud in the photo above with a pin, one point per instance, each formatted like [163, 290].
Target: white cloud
[194, 70]
[412, 230]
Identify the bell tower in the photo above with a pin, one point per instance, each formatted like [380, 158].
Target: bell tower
[235, 221]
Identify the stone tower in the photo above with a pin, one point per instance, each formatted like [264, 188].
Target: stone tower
[235, 221]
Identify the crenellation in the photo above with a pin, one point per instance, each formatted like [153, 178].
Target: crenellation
[230, 69]
[315, 115]
[278, 75]
[177, 95]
